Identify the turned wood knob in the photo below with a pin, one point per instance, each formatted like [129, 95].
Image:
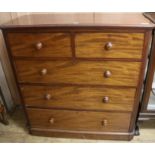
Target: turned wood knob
[105, 99]
[51, 121]
[48, 96]
[43, 71]
[108, 46]
[104, 123]
[39, 45]
[107, 74]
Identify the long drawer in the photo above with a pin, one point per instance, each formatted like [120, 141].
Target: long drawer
[75, 97]
[40, 44]
[79, 72]
[109, 45]
[79, 120]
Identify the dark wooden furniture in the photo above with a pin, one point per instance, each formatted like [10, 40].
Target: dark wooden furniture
[80, 78]
[147, 111]
[3, 115]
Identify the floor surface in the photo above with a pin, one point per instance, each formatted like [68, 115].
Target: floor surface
[16, 132]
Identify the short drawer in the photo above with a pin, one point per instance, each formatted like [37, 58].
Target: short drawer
[74, 97]
[40, 44]
[109, 45]
[79, 120]
[79, 72]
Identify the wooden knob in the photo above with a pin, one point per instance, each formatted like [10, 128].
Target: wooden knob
[43, 71]
[51, 121]
[48, 96]
[39, 45]
[105, 99]
[107, 74]
[108, 46]
[104, 123]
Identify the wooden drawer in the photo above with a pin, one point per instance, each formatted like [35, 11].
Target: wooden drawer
[79, 72]
[109, 45]
[74, 97]
[79, 120]
[40, 44]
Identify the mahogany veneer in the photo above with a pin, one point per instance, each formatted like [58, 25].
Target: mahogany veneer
[51, 44]
[79, 120]
[75, 97]
[96, 45]
[80, 78]
[78, 72]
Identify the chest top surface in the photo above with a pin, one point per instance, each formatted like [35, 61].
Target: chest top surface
[80, 19]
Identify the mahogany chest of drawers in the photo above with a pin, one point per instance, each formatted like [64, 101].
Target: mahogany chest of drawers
[81, 80]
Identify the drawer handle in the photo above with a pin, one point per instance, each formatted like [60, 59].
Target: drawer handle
[105, 99]
[104, 123]
[39, 45]
[51, 121]
[48, 96]
[43, 71]
[108, 46]
[107, 74]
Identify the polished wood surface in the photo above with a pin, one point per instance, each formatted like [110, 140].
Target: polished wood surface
[82, 134]
[124, 19]
[149, 79]
[78, 19]
[30, 18]
[83, 94]
[109, 45]
[150, 16]
[3, 114]
[40, 44]
[79, 120]
[74, 97]
[145, 113]
[79, 72]
[17, 131]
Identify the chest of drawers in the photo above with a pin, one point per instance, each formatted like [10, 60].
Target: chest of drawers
[80, 81]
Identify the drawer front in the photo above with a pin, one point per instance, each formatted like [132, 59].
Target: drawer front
[109, 45]
[79, 120]
[79, 72]
[40, 44]
[74, 97]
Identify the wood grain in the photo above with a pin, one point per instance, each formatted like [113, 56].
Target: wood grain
[124, 45]
[54, 44]
[78, 72]
[149, 80]
[81, 78]
[75, 97]
[79, 120]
